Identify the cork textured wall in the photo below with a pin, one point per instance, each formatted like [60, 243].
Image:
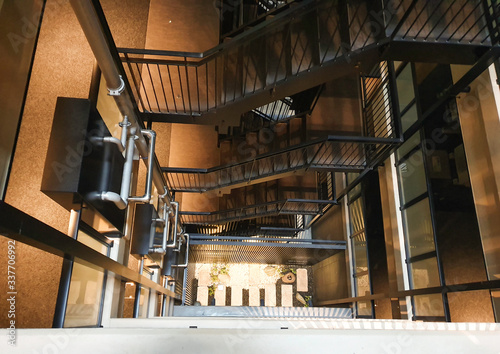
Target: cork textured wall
[62, 67]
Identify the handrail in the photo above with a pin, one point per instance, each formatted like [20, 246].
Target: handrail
[298, 240]
[259, 19]
[242, 37]
[268, 208]
[330, 138]
[228, 73]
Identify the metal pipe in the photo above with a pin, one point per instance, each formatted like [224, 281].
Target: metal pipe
[137, 300]
[124, 125]
[116, 141]
[67, 271]
[166, 227]
[187, 255]
[166, 223]
[149, 180]
[127, 168]
[164, 302]
[173, 244]
[114, 198]
[91, 26]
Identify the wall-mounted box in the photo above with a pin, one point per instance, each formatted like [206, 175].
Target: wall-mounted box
[144, 229]
[79, 166]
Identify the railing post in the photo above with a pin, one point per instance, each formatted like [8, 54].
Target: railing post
[137, 300]
[67, 270]
[492, 20]
[394, 101]
[403, 19]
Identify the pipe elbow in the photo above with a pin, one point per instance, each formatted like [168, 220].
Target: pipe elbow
[114, 198]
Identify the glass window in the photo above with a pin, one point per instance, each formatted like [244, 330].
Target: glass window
[356, 216]
[360, 257]
[419, 232]
[409, 144]
[144, 303]
[363, 285]
[412, 176]
[425, 273]
[429, 305]
[356, 190]
[364, 308]
[404, 83]
[85, 291]
[409, 118]
[495, 299]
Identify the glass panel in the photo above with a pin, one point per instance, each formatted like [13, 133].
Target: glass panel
[397, 64]
[128, 301]
[404, 83]
[85, 291]
[92, 242]
[363, 285]
[419, 232]
[412, 175]
[18, 29]
[84, 297]
[409, 118]
[495, 299]
[360, 257]
[425, 273]
[429, 305]
[409, 144]
[356, 190]
[144, 303]
[356, 216]
[364, 308]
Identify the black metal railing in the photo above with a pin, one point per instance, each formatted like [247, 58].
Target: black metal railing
[200, 239]
[277, 111]
[297, 41]
[464, 21]
[288, 206]
[284, 225]
[340, 153]
[236, 16]
[377, 102]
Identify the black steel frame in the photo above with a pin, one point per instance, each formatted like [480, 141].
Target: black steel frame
[3, 190]
[21, 227]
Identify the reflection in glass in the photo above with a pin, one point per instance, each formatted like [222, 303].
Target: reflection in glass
[364, 308]
[409, 118]
[412, 175]
[425, 273]
[404, 83]
[356, 190]
[495, 299]
[356, 216]
[360, 257]
[429, 305]
[363, 285]
[144, 303]
[419, 232]
[408, 145]
[85, 291]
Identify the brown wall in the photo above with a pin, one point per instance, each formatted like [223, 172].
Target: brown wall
[62, 67]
